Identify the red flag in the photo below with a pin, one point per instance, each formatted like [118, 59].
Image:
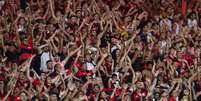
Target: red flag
[184, 7]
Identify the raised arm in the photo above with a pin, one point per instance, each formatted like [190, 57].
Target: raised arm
[26, 64]
[12, 84]
[125, 53]
[9, 92]
[153, 84]
[51, 2]
[154, 68]
[101, 60]
[101, 34]
[71, 54]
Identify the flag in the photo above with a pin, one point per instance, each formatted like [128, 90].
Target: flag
[184, 7]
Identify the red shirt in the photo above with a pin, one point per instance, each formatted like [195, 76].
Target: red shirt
[118, 92]
[36, 82]
[81, 73]
[15, 98]
[178, 63]
[188, 58]
[78, 65]
[137, 95]
[171, 98]
[92, 96]
[106, 90]
[26, 50]
[68, 71]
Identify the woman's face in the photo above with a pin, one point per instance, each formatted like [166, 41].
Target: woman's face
[96, 88]
[16, 91]
[49, 81]
[146, 28]
[22, 76]
[94, 29]
[57, 58]
[26, 42]
[43, 76]
[96, 17]
[103, 95]
[140, 85]
[79, 14]
[22, 21]
[88, 57]
[58, 67]
[50, 65]
[80, 94]
[193, 16]
[46, 49]
[118, 53]
[73, 19]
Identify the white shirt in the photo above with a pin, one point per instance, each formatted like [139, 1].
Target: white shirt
[163, 45]
[192, 23]
[44, 58]
[89, 66]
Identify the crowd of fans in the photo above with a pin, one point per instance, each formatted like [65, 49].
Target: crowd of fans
[100, 50]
